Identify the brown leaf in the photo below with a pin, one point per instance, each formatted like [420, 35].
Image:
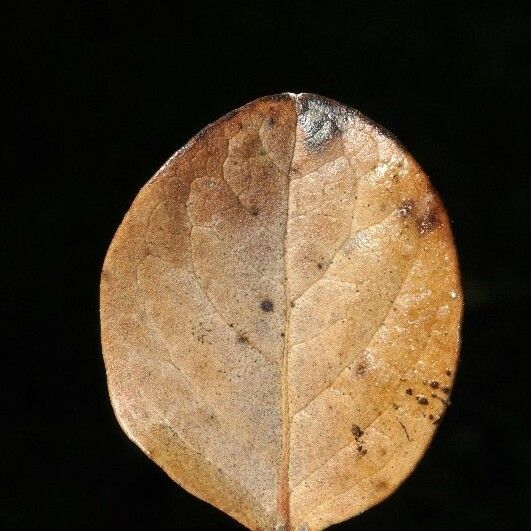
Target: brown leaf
[275, 308]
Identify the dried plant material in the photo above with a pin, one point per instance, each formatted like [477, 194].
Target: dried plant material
[280, 314]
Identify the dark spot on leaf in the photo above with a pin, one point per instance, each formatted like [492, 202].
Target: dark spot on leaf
[430, 416]
[434, 385]
[254, 211]
[428, 222]
[445, 390]
[356, 431]
[266, 305]
[380, 485]
[405, 208]
[242, 339]
[409, 391]
[422, 400]
[321, 120]
[448, 372]
[319, 266]
[361, 368]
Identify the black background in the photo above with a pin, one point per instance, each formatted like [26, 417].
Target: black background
[99, 94]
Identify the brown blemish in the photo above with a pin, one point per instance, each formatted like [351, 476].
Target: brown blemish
[422, 400]
[434, 385]
[428, 221]
[380, 485]
[448, 372]
[266, 305]
[405, 208]
[361, 450]
[430, 416]
[409, 391]
[361, 368]
[445, 390]
[254, 211]
[292, 304]
[356, 431]
[319, 266]
[242, 338]
[437, 420]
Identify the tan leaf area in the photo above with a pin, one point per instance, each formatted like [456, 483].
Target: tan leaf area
[280, 313]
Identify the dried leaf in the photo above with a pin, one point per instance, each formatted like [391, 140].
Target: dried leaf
[280, 314]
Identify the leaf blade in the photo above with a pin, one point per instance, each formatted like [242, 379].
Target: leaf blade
[259, 300]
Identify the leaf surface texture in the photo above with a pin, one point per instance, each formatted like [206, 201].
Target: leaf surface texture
[280, 314]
